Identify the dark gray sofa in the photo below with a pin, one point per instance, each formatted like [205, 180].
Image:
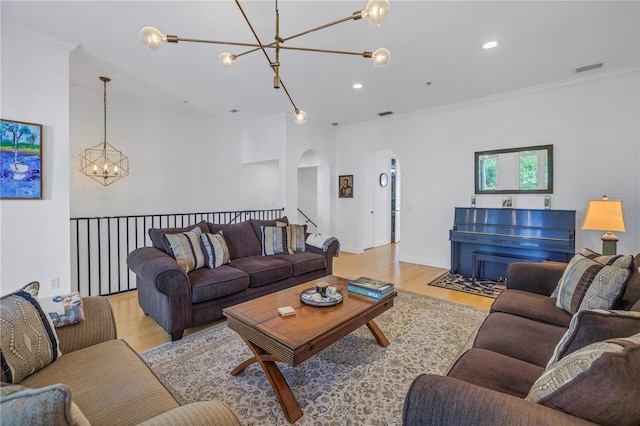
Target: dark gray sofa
[177, 301]
[488, 383]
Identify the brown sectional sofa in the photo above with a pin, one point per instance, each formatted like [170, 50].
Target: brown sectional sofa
[177, 300]
[105, 379]
[488, 383]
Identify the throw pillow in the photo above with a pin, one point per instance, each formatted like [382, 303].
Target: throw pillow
[587, 284]
[48, 405]
[297, 237]
[65, 309]
[28, 341]
[185, 248]
[621, 261]
[215, 249]
[598, 382]
[590, 326]
[274, 240]
[156, 234]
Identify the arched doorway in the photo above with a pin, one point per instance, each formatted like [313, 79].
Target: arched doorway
[313, 191]
[382, 217]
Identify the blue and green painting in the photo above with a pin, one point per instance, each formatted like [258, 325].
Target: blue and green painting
[20, 160]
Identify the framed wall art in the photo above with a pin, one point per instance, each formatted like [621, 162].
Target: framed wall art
[20, 160]
[345, 186]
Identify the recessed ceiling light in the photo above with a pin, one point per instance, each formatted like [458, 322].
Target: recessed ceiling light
[357, 85]
[490, 45]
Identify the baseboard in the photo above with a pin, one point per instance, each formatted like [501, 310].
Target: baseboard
[437, 263]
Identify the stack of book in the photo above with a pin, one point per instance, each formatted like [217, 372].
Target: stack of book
[371, 287]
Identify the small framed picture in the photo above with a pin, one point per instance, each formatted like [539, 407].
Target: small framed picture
[20, 160]
[507, 202]
[345, 186]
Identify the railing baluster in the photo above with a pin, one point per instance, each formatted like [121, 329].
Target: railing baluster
[93, 242]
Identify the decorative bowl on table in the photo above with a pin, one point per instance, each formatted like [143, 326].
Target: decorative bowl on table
[312, 297]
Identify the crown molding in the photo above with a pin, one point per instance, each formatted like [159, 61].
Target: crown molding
[12, 30]
[505, 95]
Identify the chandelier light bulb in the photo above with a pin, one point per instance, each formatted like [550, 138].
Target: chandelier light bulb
[152, 38]
[377, 11]
[299, 116]
[381, 57]
[226, 59]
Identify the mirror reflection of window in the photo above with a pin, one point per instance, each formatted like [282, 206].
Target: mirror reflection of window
[489, 172]
[524, 170]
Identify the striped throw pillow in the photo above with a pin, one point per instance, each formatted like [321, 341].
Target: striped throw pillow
[274, 240]
[185, 249]
[588, 284]
[28, 341]
[621, 261]
[297, 237]
[215, 249]
[597, 382]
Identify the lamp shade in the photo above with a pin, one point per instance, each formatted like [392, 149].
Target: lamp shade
[604, 215]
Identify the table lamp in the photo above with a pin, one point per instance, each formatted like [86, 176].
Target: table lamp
[605, 215]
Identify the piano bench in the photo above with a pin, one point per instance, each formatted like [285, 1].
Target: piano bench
[479, 256]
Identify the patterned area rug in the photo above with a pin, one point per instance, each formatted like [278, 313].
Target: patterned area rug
[353, 382]
[461, 283]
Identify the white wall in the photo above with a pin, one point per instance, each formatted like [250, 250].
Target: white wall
[34, 234]
[593, 125]
[179, 161]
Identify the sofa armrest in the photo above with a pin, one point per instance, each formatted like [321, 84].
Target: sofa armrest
[155, 267]
[329, 254]
[441, 400]
[541, 278]
[98, 326]
[211, 413]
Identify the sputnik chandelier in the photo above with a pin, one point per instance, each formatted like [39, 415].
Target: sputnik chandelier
[376, 12]
[104, 163]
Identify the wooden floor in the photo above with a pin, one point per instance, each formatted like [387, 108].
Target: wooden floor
[142, 332]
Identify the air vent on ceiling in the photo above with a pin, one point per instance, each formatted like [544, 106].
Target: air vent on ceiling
[382, 114]
[589, 67]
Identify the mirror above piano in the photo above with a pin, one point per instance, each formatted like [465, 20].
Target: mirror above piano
[526, 170]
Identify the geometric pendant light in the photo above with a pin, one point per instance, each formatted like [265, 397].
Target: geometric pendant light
[104, 163]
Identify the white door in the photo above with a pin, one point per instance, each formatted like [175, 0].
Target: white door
[367, 241]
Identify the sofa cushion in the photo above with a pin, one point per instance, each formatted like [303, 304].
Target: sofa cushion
[588, 284]
[598, 382]
[207, 284]
[110, 383]
[156, 234]
[274, 240]
[590, 326]
[240, 237]
[50, 405]
[518, 337]
[185, 249]
[64, 309]
[496, 371]
[303, 262]
[631, 295]
[263, 269]
[297, 237]
[535, 306]
[257, 223]
[28, 341]
[215, 250]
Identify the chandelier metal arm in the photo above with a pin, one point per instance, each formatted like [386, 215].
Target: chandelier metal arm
[266, 55]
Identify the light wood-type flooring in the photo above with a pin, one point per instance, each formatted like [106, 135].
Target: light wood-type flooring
[142, 332]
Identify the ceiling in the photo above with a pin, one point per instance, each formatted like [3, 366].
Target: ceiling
[436, 51]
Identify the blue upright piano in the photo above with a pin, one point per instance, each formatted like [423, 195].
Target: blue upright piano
[484, 241]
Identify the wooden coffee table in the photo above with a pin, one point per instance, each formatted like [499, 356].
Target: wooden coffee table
[293, 339]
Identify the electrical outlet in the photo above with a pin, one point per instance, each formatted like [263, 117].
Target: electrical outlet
[54, 283]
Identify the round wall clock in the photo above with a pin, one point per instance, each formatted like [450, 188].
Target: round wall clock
[384, 179]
